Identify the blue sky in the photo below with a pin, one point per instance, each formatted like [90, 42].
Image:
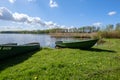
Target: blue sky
[44, 14]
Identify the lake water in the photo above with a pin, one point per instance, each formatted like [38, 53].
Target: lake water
[44, 39]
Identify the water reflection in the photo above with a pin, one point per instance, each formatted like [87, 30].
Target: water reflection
[44, 39]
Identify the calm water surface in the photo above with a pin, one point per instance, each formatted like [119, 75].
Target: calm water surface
[44, 39]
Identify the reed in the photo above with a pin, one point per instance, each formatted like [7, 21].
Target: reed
[100, 34]
[73, 35]
[110, 34]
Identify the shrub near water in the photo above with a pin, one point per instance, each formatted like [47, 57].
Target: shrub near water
[98, 63]
[110, 34]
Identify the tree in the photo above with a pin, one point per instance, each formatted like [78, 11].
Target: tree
[117, 28]
[110, 27]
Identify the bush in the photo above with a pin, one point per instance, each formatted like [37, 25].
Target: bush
[110, 34]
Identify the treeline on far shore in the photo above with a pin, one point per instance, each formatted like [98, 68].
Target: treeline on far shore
[27, 32]
[109, 31]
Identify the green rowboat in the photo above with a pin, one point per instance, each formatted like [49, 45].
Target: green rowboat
[81, 44]
[11, 49]
[9, 44]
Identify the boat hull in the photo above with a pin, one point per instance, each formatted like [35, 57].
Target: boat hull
[85, 44]
[13, 49]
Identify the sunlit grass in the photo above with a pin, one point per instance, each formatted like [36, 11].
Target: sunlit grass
[102, 62]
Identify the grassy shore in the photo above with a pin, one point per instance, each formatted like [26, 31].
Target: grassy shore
[102, 62]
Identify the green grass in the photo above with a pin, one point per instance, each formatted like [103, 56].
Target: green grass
[102, 62]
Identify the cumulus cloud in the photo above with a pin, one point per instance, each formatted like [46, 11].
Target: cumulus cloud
[11, 1]
[31, 0]
[7, 15]
[53, 4]
[11, 28]
[97, 24]
[112, 13]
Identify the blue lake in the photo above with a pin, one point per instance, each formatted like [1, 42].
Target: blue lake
[44, 39]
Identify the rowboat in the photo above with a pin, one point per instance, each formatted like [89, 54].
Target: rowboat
[81, 44]
[11, 49]
[9, 44]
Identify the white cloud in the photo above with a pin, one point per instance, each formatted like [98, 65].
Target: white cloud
[31, 0]
[19, 17]
[11, 28]
[11, 1]
[53, 4]
[97, 24]
[112, 13]
[7, 15]
[52, 25]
